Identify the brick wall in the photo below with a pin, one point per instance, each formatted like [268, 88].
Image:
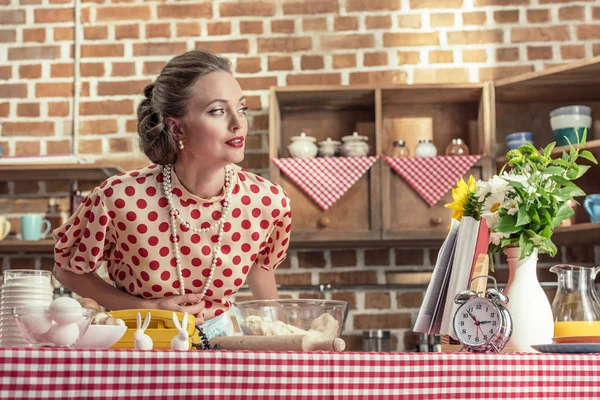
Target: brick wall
[124, 44]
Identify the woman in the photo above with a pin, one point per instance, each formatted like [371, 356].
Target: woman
[185, 233]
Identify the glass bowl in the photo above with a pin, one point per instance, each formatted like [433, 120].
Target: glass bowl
[290, 317]
[101, 336]
[38, 328]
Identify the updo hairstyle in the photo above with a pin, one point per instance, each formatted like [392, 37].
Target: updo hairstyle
[169, 96]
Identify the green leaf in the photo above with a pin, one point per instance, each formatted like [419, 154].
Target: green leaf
[561, 162]
[568, 193]
[548, 149]
[553, 170]
[588, 156]
[582, 170]
[534, 215]
[562, 181]
[572, 172]
[546, 232]
[564, 212]
[523, 216]
[506, 224]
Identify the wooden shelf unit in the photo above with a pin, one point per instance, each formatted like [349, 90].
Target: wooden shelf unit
[72, 172]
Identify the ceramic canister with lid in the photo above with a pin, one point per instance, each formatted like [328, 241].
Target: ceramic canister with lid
[425, 148]
[354, 145]
[303, 146]
[329, 147]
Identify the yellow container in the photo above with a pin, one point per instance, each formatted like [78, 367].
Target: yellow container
[161, 328]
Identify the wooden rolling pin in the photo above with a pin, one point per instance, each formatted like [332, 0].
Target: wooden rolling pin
[279, 343]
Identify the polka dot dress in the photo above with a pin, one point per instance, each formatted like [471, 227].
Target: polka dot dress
[125, 222]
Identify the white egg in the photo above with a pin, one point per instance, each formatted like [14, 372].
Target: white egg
[63, 335]
[120, 322]
[36, 325]
[65, 310]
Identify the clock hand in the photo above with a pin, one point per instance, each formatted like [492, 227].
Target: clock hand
[472, 316]
[485, 322]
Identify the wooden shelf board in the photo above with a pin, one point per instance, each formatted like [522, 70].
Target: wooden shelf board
[592, 145]
[25, 246]
[57, 172]
[578, 234]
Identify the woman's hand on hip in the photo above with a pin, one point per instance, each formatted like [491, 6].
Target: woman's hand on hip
[187, 303]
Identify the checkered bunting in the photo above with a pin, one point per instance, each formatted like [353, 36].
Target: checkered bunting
[325, 179]
[432, 177]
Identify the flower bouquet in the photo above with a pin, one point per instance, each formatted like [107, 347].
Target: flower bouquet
[527, 199]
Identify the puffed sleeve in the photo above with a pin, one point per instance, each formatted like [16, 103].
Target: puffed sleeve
[278, 242]
[84, 239]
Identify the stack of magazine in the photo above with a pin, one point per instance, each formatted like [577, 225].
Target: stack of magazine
[454, 269]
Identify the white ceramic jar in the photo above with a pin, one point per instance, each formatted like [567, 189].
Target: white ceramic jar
[354, 145]
[425, 148]
[329, 147]
[303, 146]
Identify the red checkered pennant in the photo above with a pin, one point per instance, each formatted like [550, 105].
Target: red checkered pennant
[325, 179]
[431, 177]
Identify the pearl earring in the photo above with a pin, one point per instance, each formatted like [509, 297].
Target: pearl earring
[181, 144]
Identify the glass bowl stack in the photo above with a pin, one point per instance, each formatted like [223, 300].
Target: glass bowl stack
[517, 139]
[21, 288]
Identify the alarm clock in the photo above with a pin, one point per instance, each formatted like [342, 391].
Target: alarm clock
[482, 323]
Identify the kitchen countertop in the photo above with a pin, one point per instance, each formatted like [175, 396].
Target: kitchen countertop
[127, 374]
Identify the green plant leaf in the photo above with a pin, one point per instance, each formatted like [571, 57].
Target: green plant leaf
[588, 156]
[553, 170]
[582, 169]
[548, 149]
[564, 212]
[561, 162]
[562, 181]
[523, 216]
[506, 224]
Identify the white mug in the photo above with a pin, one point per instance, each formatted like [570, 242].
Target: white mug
[4, 227]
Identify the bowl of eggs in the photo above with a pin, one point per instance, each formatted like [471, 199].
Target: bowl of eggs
[61, 324]
[104, 331]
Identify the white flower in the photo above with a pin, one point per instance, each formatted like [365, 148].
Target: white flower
[496, 237]
[511, 205]
[514, 178]
[490, 208]
[495, 185]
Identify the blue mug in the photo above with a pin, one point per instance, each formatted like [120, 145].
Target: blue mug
[592, 206]
[31, 227]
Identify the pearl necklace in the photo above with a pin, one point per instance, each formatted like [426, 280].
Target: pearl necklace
[175, 215]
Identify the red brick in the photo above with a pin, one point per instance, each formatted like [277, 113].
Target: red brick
[311, 259]
[248, 65]
[30, 71]
[27, 148]
[120, 145]
[260, 83]
[441, 57]
[261, 122]
[95, 32]
[485, 3]
[572, 51]
[314, 24]
[476, 37]
[312, 62]
[251, 27]
[439, 75]
[107, 107]
[377, 77]
[28, 110]
[314, 79]
[356, 277]
[372, 5]
[5, 73]
[596, 13]
[409, 257]
[280, 63]
[12, 17]
[219, 28]
[159, 48]
[34, 53]
[131, 126]
[182, 11]
[253, 102]
[375, 59]
[28, 128]
[474, 18]
[506, 16]
[54, 89]
[93, 146]
[58, 147]
[102, 50]
[127, 31]
[62, 70]
[63, 34]
[586, 32]
[488, 74]
[4, 111]
[408, 57]
[123, 69]
[283, 26]
[247, 9]
[442, 19]
[332, 42]
[117, 13]
[184, 29]
[293, 279]
[541, 34]
[571, 13]
[478, 56]
[153, 67]
[284, 45]
[539, 52]
[343, 258]
[507, 54]
[349, 297]
[8, 35]
[53, 15]
[409, 299]
[59, 109]
[377, 300]
[382, 321]
[116, 88]
[411, 39]
[34, 35]
[538, 16]
[378, 22]
[429, 4]
[13, 90]
[377, 257]
[343, 61]
[92, 69]
[162, 30]
[310, 7]
[409, 21]
[345, 24]
[224, 46]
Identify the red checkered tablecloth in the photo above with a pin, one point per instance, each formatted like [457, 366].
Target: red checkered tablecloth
[431, 177]
[162, 374]
[325, 179]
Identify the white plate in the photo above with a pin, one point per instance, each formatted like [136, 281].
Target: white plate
[568, 348]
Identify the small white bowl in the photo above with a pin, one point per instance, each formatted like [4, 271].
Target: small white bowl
[101, 336]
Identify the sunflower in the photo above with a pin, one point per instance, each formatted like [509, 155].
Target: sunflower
[460, 195]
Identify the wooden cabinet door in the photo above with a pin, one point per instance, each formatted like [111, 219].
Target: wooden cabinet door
[407, 216]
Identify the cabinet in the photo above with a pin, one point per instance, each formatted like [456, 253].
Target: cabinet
[382, 206]
[40, 172]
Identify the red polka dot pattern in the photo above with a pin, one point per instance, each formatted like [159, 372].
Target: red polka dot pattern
[125, 222]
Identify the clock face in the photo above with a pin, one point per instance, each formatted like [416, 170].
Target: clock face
[476, 322]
